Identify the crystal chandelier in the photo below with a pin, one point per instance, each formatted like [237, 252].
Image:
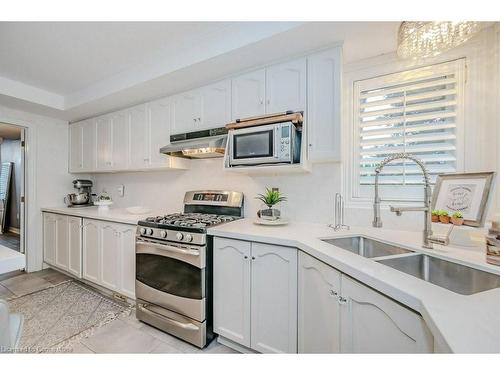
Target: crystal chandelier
[425, 39]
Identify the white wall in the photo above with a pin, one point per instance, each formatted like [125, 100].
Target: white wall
[47, 173]
[310, 196]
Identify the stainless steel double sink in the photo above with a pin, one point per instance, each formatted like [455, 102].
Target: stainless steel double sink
[449, 275]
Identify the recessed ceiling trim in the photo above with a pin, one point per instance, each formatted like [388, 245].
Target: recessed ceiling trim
[32, 94]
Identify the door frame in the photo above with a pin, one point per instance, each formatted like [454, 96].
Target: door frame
[23, 209]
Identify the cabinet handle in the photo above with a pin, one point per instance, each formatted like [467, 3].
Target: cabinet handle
[261, 101]
[310, 144]
[245, 257]
[268, 101]
[333, 293]
[342, 300]
[253, 258]
[199, 118]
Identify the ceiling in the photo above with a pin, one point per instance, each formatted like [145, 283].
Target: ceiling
[9, 132]
[74, 70]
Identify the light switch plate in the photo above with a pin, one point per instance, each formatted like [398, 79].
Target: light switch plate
[121, 190]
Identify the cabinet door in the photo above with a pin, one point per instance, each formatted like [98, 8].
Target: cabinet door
[49, 238]
[75, 147]
[248, 93]
[374, 323]
[215, 105]
[159, 122]
[126, 234]
[318, 312]
[120, 140]
[286, 87]
[88, 146]
[103, 143]
[109, 253]
[185, 112]
[274, 299]
[75, 245]
[62, 244]
[91, 259]
[323, 105]
[232, 290]
[139, 137]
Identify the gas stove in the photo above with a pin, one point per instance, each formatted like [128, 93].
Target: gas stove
[173, 285]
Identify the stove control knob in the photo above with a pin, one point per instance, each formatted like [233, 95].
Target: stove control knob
[143, 231]
[150, 232]
[179, 236]
[163, 233]
[189, 237]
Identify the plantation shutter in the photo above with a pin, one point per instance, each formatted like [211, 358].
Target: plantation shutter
[412, 113]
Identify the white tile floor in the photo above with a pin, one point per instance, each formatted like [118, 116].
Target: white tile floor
[123, 335]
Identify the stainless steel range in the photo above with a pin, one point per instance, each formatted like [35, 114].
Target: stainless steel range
[173, 283]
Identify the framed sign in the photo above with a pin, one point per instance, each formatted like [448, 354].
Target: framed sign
[465, 192]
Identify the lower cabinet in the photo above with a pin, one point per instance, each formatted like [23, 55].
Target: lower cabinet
[339, 314]
[98, 251]
[255, 295]
[109, 255]
[62, 242]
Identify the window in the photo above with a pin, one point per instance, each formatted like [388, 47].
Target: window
[417, 111]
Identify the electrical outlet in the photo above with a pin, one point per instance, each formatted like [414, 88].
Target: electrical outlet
[121, 190]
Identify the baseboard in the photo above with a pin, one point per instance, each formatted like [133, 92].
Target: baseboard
[233, 345]
[14, 230]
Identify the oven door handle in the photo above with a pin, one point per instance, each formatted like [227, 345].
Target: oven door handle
[188, 326]
[169, 248]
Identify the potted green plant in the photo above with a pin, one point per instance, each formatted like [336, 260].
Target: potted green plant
[443, 217]
[435, 216]
[271, 198]
[457, 218]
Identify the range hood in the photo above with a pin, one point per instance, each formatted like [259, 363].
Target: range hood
[202, 144]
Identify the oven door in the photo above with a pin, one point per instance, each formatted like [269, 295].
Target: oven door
[257, 145]
[172, 277]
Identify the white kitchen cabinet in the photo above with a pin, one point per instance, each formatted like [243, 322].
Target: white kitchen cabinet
[374, 323]
[186, 112]
[286, 87]
[120, 140]
[274, 299]
[109, 255]
[62, 246]
[232, 290]
[139, 137]
[318, 307]
[248, 95]
[75, 245]
[82, 150]
[215, 105]
[255, 295]
[49, 238]
[104, 145]
[159, 122]
[91, 258]
[324, 71]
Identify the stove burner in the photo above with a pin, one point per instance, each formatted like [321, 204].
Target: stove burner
[192, 220]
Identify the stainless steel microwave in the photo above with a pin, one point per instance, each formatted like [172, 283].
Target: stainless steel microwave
[264, 144]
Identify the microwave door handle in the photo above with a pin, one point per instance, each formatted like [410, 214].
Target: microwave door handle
[276, 132]
[169, 248]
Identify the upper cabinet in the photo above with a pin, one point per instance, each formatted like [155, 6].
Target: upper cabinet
[249, 94]
[130, 139]
[82, 146]
[323, 105]
[286, 87]
[215, 105]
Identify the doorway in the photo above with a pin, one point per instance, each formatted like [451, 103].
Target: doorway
[12, 202]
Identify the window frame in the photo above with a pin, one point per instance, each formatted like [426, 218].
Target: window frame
[388, 78]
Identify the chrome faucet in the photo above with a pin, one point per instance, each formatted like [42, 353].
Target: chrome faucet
[428, 238]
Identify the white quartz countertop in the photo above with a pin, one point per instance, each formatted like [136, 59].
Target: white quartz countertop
[118, 215]
[465, 323]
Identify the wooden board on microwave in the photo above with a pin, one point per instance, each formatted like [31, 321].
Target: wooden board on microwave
[295, 118]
